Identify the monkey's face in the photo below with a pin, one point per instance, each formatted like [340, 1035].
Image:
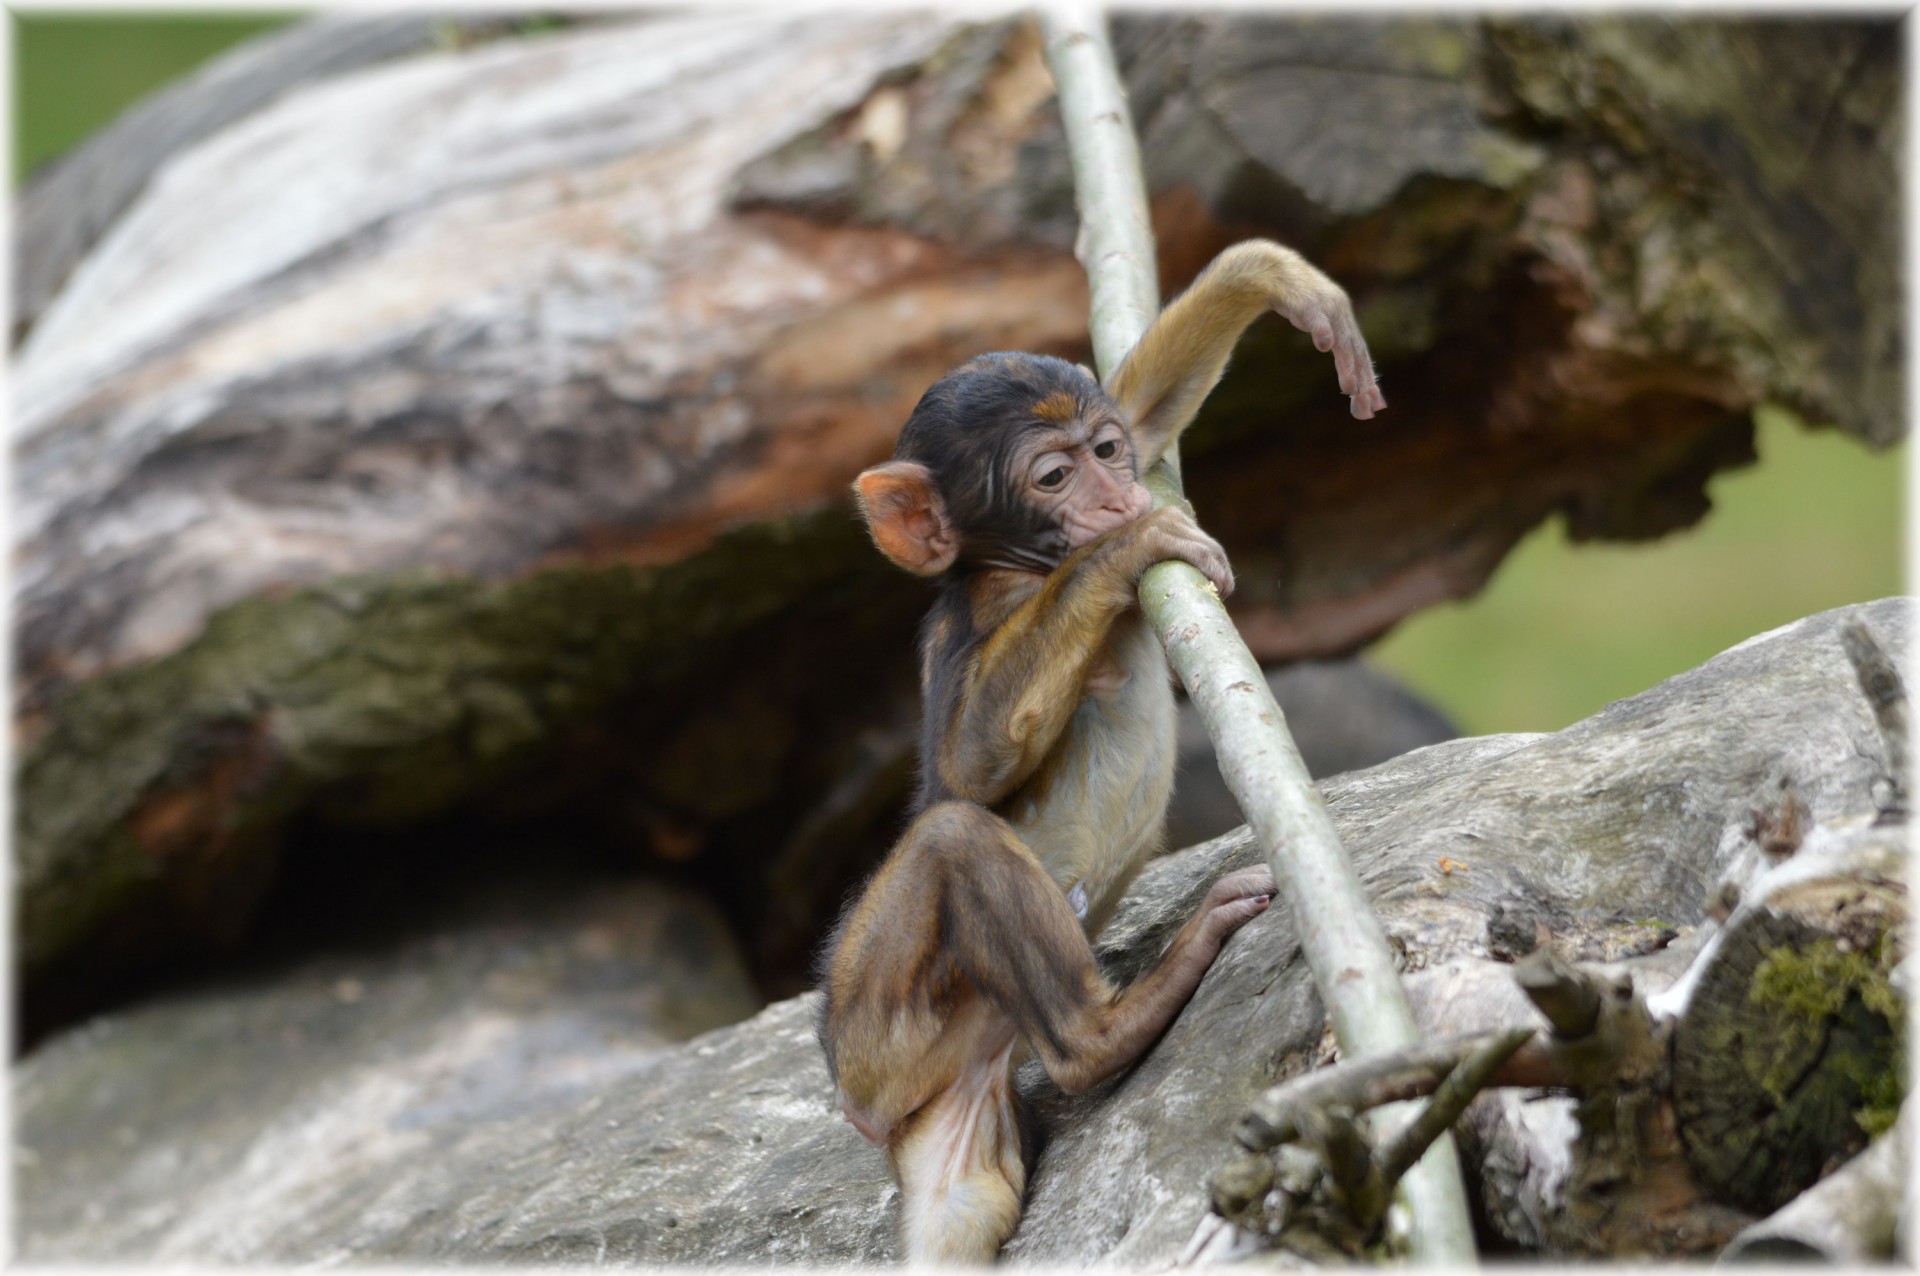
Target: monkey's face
[1009, 461]
[1079, 473]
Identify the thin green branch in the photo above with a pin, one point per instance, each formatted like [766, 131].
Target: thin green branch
[1344, 944]
[1115, 243]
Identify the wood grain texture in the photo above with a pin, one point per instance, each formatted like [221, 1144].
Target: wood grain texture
[409, 352]
[731, 1148]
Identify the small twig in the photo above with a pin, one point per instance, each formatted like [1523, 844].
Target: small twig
[1473, 1075]
[1277, 1116]
[1320, 1109]
[1352, 1171]
[1274, 1117]
[1887, 696]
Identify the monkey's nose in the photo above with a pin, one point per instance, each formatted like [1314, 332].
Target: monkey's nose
[1119, 498]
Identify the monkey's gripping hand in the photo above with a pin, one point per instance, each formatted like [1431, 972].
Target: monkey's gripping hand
[1169, 533]
[1029, 676]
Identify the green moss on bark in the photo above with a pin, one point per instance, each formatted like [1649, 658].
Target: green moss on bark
[382, 697]
[1808, 989]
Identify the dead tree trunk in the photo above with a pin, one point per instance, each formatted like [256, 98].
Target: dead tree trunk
[470, 430]
[465, 1120]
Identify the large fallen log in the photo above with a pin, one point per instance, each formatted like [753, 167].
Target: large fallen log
[472, 428]
[1707, 1078]
[730, 1148]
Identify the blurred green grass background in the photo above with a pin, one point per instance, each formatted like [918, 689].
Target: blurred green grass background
[73, 72]
[1560, 632]
[1565, 629]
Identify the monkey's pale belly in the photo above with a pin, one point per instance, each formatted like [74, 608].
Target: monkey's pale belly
[1105, 813]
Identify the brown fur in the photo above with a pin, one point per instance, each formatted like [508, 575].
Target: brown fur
[1048, 755]
[1169, 373]
[1059, 406]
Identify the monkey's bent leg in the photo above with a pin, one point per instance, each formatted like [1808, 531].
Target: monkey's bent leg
[960, 939]
[923, 1060]
[962, 896]
[1016, 938]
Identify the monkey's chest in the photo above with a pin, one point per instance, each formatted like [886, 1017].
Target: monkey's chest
[1103, 810]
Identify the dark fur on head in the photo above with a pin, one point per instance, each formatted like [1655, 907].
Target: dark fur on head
[965, 428]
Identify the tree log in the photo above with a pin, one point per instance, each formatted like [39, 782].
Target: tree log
[1848, 1219]
[731, 1148]
[1788, 1051]
[473, 428]
[67, 206]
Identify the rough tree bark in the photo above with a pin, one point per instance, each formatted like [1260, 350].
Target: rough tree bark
[532, 1121]
[471, 429]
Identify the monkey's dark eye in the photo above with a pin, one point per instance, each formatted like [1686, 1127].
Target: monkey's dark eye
[1053, 477]
[1105, 451]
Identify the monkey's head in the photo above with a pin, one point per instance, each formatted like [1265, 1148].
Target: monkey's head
[1010, 460]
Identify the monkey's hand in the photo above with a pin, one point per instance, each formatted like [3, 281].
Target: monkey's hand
[1326, 315]
[1170, 533]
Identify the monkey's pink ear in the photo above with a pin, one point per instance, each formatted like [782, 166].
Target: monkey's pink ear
[907, 518]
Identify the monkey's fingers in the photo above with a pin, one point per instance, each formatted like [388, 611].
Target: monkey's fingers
[1245, 883]
[1365, 405]
[1224, 919]
[1334, 330]
[1181, 538]
[1355, 366]
[1237, 899]
[1314, 320]
[1213, 564]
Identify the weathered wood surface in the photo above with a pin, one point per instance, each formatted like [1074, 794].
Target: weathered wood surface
[1785, 1031]
[730, 1148]
[1714, 1071]
[67, 206]
[474, 427]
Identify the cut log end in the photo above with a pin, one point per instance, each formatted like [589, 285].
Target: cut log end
[1789, 1054]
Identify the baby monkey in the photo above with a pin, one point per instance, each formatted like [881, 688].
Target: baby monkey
[1047, 749]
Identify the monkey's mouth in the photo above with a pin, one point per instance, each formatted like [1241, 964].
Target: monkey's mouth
[1082, 528]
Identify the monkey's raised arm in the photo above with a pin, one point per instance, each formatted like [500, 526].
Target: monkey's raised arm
[1024, 683]
[1169, 373]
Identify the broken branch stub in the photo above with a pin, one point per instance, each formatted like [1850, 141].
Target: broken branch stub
[1886, 695]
